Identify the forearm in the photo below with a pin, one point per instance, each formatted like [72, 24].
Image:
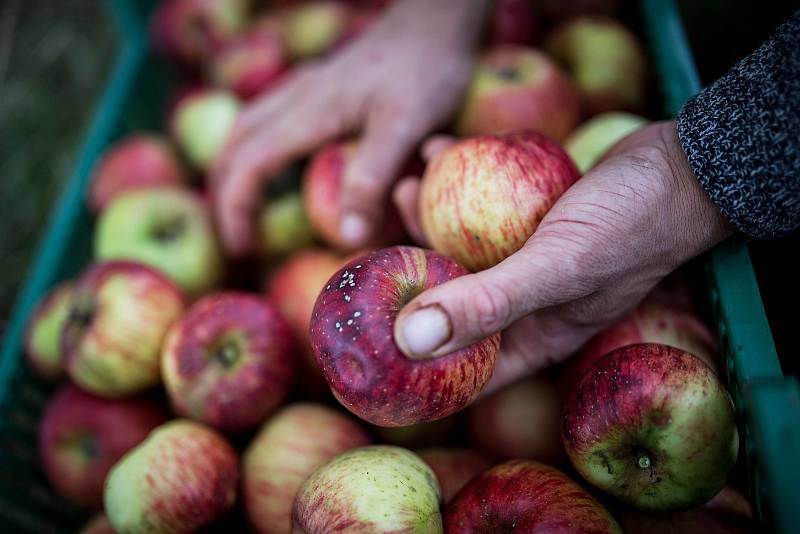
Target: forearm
[741, 136]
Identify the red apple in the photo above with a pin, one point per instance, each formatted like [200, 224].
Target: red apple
[517, 88]
[294, 287]
[315, 27]
[191, 30]
[522, 421]
[201, 122]
[524, 496]
[82, 436]
[112, 337]
[352, 336]
[654, 321]
[229, 361]
[251, 63]
[43, 335]
[322, 187]
[179, 479]
[99, 524]
[605, 60]
[727, 513]
[653, 426]
[482, 198]
[513, 22]
[453, 468]
[289, 447]
[140, 160]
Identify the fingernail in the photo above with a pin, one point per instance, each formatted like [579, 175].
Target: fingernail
[354, 229]
[424, 331]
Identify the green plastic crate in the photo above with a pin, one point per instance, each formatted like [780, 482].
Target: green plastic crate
[767, 402]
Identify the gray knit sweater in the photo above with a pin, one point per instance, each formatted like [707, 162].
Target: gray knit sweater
[742, 137]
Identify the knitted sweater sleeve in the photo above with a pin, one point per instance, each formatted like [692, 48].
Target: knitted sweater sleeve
[741, 136]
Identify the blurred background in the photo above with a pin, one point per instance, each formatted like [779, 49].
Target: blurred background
[54, 57]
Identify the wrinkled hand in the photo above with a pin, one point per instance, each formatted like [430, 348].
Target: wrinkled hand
[607, 241]
[395, 84]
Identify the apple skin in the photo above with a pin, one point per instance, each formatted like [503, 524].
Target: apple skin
[43, 334]
[591, 140]
[182, 477]
[371, 489]
[513, 22]
[289, 447]
[251, 63]
[284, 226]
[294, 287]
[315, 27]
[653, 426]
[727, 513]
[201, 122]
[119, 316]
[229, 361]
[454, 468]
[605, 60]
[137, 161]
[521, 421]
[518, 88]
[322, 187]
[190, 31]
[482, 198]
[168, 228]
[525, 496]
[653, 321]
[352, 336]
[81, 437]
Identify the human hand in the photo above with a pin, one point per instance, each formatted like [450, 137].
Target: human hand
[394, 85]
[606, 242]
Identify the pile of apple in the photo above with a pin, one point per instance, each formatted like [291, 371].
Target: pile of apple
[195, 398]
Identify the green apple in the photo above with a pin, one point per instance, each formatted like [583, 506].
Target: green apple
[168, 228]
[313, 28]
[201, 123]
[43, 336]
[592, 139]
[284, 226]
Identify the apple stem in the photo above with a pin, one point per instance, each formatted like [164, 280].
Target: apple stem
[644, 461]
[170, 230]
[227, 354]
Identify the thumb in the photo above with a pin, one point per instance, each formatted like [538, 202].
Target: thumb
[460, 312]
[381, 153]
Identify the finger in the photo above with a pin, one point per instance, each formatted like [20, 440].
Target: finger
[237, 192]
[382, 150]
[436, 144]
[462, 311]
[405, 196]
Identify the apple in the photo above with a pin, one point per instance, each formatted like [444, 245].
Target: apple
[137, 161]
[453, 468]
[168, 228]
[98, 524]
[592, 139]
[43, 334]
[191, 30]
[653, 426]
[251, 63]
[201, 122]
[728, 512]
[415, 436]
[289, 447]
[653, 321]
[562, 9]
[512, 22]
[82, 436]
[360, 19]
[182, 477]
[352, 336]
[482, 198]
[526, 496]
[322, 187]
[517, 88]
[605, 60]
[371, 489]
[119, 315]
[229, 361]
[284, 226]
[521, 421]
[294, 287]
[313, 28]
